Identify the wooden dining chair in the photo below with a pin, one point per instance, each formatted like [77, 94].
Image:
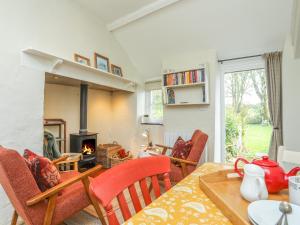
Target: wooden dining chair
[112, 183]
[287, 158]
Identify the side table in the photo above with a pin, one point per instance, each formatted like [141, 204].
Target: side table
[71, 163]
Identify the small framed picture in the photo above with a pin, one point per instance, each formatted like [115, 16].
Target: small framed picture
[101, 62]
[116, 70]
[82, 60]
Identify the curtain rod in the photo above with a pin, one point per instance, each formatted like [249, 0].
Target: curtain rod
[245, 57]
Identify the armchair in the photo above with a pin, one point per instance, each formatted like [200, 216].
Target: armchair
[188, 165]
[51, 207]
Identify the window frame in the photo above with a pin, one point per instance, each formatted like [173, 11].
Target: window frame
[230, 67]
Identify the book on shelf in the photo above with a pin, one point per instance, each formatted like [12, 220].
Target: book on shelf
[186, 77]
[203, 95]
[171, 96]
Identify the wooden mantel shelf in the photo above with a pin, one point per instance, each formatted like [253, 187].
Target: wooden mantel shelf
[66, 72]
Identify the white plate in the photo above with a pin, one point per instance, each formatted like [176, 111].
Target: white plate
[252, 221]
[266, 212]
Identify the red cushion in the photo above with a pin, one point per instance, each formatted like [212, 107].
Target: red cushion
[43, 170]
[181, 148]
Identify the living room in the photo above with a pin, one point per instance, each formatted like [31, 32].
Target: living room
[137, 75]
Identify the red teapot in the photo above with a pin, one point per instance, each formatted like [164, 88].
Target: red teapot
[275, 177]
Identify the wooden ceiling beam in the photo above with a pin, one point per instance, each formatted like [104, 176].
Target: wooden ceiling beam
[140, 13]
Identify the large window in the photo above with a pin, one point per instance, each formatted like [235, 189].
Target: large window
[247, 121]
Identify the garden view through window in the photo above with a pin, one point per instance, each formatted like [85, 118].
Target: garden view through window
[156, 105]
[248, 128]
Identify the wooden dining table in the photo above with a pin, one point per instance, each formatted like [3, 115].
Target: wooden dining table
[184, 203]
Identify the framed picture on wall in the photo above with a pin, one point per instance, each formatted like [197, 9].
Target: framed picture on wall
[81, 59]
[101, 62]
[116, 70]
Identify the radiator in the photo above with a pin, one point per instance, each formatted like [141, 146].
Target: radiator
[171, 137]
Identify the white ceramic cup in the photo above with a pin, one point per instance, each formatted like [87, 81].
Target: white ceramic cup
[294, 190]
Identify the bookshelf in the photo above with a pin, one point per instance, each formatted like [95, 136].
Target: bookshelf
[186, 88]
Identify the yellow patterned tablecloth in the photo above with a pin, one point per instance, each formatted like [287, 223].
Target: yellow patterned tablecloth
[184, 204]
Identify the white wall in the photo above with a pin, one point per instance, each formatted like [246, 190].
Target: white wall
[60, 27]
[290, 97]
[189, 118]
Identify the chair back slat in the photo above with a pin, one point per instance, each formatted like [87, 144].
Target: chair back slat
[123, 206]
[135, 199]
[111, 216]
[156, 187]
[167, 181]
[113, 182]
[145, 192]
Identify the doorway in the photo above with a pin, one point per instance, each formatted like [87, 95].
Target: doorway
[247, 127]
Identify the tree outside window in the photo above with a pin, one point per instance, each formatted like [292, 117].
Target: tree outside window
[248, 128]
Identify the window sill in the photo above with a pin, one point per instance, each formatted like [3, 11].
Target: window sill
[158, 124]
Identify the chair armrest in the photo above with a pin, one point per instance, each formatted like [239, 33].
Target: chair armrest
[184, 161]
[163, 146]
[56, 161]
[55, 190]
[183, 164]
[68, 161]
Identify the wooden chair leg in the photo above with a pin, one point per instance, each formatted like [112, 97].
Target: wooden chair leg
[184, 169]
[76, 166]
[14, 218]
[50, 210]
[94, 202]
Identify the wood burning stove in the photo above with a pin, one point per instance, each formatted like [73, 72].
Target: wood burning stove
[84, 142]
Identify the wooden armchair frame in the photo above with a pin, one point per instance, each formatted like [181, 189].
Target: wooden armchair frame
[183, 163]
[52, 193]
[65, 161]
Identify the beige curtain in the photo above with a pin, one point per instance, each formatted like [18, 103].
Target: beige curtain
[273, 62]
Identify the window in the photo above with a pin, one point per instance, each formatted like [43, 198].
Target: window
[154, 105]
[247, 121]
[154, 102]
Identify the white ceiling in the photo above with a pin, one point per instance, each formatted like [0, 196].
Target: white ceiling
[110, 10]
[233, 28]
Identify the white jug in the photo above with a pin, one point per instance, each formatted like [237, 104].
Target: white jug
[253, 187]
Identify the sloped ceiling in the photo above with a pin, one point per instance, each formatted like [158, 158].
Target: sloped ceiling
[233, 28]
[110, 10]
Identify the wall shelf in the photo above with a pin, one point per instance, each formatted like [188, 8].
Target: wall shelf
[67, 72]
[186, 85]
[186, 88]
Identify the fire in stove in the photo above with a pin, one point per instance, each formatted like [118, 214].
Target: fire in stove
[87, 150]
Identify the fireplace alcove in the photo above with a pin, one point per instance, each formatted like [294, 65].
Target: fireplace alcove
[59, 71]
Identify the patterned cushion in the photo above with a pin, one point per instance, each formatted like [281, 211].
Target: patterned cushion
[43, 170]
[181, 148]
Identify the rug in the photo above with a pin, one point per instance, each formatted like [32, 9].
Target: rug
[83, 218]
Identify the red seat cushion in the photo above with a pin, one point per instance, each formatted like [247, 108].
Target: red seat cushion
[43, 170]
[181, 148]
[71, 200]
